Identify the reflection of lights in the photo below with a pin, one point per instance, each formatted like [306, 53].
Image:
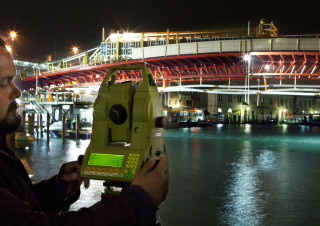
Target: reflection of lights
[284, 128]
[248, 108]
[243, 199]
[247, 128]
[285, 110]
[267, 67]
[220, 125]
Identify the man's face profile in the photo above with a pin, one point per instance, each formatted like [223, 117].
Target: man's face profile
[9, 119]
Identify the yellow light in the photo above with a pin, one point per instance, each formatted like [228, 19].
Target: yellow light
[13, 34]
[125, 37]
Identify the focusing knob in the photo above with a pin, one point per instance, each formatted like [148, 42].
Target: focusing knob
[118, 114]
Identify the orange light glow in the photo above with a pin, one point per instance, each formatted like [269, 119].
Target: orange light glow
[13, 34]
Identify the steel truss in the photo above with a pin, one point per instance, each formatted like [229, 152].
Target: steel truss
[188, 69]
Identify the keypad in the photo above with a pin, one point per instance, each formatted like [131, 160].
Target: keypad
[128, 172]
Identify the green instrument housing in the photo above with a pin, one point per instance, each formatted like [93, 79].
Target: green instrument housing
[125, 129]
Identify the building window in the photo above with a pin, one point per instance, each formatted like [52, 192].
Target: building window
[281, 101]
[239, 98]
[254, 99]
[262, 100]
[230, 98]
[219, 97]
[271, 101]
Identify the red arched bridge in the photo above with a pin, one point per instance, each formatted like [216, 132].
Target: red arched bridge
[196, 60]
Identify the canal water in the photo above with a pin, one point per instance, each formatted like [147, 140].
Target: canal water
[223, 175]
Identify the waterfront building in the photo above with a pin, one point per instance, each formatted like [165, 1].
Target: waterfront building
[238, 108]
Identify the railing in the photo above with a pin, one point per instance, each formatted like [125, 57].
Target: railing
[52, 98]
[28, 98]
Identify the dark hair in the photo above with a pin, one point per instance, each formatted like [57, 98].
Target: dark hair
[2, 43]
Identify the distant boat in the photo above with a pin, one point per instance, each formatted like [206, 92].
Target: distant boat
[55, 130]
[202, 123]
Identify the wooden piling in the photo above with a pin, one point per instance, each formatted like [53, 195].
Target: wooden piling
[31, 124]
[63, 135]
[37, 126]
[11, 140]
[78, 126]
[41, 126]
[48, 124]
[23, 121]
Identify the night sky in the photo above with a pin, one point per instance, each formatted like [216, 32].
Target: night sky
[53, 27]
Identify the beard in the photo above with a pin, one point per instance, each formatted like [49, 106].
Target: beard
[12, 121]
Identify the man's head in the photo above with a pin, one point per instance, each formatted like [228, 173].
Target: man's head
[9, 119]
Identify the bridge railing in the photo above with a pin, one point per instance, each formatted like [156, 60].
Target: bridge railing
[58, 97]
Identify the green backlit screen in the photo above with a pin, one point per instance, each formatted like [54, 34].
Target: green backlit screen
[105, 160]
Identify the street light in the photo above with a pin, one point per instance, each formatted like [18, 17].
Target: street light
[247, 58]
[13, 34]
[75, 49]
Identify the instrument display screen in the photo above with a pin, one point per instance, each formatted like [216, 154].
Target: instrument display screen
[99, 159]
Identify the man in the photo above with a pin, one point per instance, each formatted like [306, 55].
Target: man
[47, 202]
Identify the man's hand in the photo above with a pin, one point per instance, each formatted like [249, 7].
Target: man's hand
[69, 177]
[155, 182]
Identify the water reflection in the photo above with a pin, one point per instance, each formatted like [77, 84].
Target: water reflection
[243, 202]
[245, 195]
[247, 128]
[224, 175]
[284, 128]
